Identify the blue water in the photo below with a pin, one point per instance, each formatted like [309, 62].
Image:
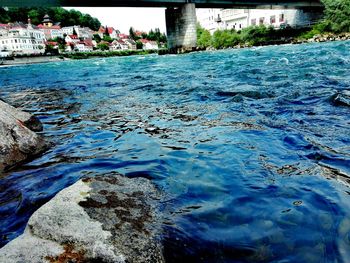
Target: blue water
[249, 147]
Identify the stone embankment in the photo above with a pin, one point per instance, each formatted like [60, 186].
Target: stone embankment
[29, 60]
[19, 141]
[330, 37]
[107, 218]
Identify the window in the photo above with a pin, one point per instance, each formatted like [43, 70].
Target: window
[261, 20]
[281, 17]
[272, 19]
[253, 22]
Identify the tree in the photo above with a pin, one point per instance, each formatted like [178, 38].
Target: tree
[108, 39]
[203, 37]
[139, 45]
[132, 33]
[103, 46]
[57, 14]
[337, 15]
[74, 32]
[97, 38]
[106, 31]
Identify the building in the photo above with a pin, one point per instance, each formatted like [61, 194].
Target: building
[21, 39]
[210, 19]
[81, 32]
[72, 39]
[130, 43]
[235, 18]
[84, 46]
[149, 44]
[111, 31]
[50, 30]
[118, 45]
[3, 29]
[214, 19]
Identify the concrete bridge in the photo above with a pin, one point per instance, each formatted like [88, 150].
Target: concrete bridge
[180, 14]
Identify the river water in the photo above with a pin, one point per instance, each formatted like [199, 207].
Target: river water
[250, 147]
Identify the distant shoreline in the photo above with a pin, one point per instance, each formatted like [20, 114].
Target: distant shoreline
[27, 60]
[100, 54]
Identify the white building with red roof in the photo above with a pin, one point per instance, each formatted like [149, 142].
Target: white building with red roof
[82, 32]
[22, 39]
[149, 44]
[50, 30]
[118, 45]
[84, 46]
[72, 39]
[111, 31]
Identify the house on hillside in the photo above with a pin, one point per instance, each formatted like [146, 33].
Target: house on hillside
[72, 39]
[111, 31]
[149, 44]
[84, 46]
[50, 30]
[18, 38]
[131, 43]
[81, 32]
[118, 45]
[4, 29]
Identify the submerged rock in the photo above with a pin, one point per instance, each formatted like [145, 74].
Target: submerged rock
[18, 141]
[253, 94]
[107, 218]
[341, 99]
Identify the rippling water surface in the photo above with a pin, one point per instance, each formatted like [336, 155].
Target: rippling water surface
[251, 147]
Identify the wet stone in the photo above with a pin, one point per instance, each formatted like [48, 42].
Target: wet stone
[115, 221]
[18, 140]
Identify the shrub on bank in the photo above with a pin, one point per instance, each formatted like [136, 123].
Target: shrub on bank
[225, 39]
[336, 20]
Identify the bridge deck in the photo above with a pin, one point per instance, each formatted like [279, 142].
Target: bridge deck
[168, 3]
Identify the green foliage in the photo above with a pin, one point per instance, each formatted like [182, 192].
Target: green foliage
[97, 38]
[256, 35]
[154, 35]
[203, 37]
[337, 15]
[139, 45]
[225, 39]
[103, 46]
[132, 34]
[106, 32]
[107, 39]
[85, 55]
[57, 14]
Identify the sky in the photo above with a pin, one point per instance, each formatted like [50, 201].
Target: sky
[120, 18]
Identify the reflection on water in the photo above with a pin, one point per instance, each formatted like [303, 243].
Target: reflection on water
[251, 147]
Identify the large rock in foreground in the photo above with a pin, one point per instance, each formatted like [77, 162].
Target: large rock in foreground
[101, 219]
[18, 140]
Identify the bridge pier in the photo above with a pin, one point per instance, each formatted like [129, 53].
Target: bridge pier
[181, 28]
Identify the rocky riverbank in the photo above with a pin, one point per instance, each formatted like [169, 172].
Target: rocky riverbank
[19, 141]
[107, 218]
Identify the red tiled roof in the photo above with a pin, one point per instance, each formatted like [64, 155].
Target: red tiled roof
[46, 27]
[73, 36]
[103, 30]
[144, 41]
[123, 36]
[52, 43]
